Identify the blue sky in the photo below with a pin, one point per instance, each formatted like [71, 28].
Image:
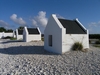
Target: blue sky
[33, 13]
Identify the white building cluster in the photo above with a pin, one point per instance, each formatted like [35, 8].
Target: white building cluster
[59, 34]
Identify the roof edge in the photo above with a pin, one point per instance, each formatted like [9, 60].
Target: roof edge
[26, 30]
[57, 21]
[80, 23]
[39, 30]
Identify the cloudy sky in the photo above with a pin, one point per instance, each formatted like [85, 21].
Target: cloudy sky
[35, 13]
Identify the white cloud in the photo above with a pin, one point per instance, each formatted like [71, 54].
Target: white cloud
[19, 21]
[40, 19]
[59, 16]
[34, 22]
[4, 24]
[94, 27]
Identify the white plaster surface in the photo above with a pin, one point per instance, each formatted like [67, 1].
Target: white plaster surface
[19, 37]
[5, 34]
[70, 39]
[55, 30]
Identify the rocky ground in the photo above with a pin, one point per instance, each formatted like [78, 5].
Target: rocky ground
[20, 58]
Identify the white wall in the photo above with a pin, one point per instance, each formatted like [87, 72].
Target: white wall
[8, 34]
[19, 37]
[14, 35]
[70, 39]
[33, 38]
[25, 34]
[3, 34]
[55, 30]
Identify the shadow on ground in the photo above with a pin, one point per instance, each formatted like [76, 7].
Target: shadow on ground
[26, 50]
[11, 41]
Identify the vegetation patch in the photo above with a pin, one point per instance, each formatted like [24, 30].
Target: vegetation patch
[42, 38]
[97, 42]
[8, 37]
[96, 45]
[13, 38]
[77, 46]
[94, 36]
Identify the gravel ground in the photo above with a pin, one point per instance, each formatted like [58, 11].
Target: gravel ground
[20, 58]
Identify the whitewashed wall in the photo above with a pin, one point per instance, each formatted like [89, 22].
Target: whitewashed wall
[14, 35]
[25, 34]
[3, 34]
[55, 29]
[33, 38]
[19, 37]
[8, 34]
[70, 39]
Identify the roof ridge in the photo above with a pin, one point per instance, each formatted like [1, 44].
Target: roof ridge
[66, 19]
[31, 28]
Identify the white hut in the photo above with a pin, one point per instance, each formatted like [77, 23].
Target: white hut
[61, 34]
[31, 34]
[14, 34]
[19, 34]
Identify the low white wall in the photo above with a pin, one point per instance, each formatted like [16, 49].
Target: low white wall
[70, 39]
[8, 34]
[3, 34]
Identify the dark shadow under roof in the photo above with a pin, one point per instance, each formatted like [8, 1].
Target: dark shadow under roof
[33, 31]
[20, 32]
[72, 27]
[15, 32]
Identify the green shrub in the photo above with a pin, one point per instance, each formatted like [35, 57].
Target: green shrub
[13, 38]
[94, 36]
[97, 42]
[42, 38]
[77, 46]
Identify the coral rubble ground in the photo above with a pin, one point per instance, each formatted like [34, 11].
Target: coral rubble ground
[20, 58]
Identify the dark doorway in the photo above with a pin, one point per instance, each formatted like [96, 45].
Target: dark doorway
[50, 40]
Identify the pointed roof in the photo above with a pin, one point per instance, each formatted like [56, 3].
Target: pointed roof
[72, 26]
[33, 31]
